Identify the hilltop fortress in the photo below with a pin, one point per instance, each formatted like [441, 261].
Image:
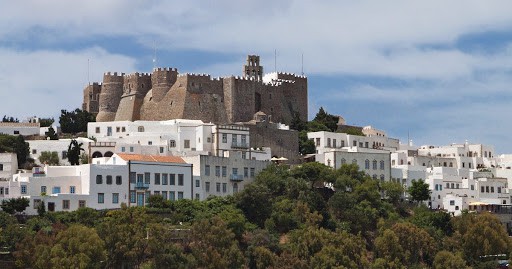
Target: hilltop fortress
[165, 94]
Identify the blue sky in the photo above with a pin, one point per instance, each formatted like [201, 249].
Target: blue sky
[440, 71]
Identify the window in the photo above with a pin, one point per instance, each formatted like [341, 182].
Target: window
[133, 176]
[243, 140]
[217, 171]
[197, 196]
[447, 185]
[55, 190]
[150, 143]
[224, 138]
[486, 188]
[140, 129]
[131, 149]
[180, 179]
[118, 129]
[207, 186]
[456, 207]
[34, 151]
[207, 170]
[234, 139]
[482, 189]
[119, 180]
[109, 131]
[244, 155]
[374, 164]
[81, 203]
[157, 178]
[367, 164]
[37, 203]
[109, 180]
[164, 195]
[234, 171]
[217, 185]
[317, 142]
[224, 187]
[132, 196]
[147, 195]
[172, 143]
[97, 130]
[381, 165]
[172, 179]
[157, 192]
[101, 198]
[123, 149]
[492, 189]
[65, 204]
[180, 195]
[123, 129]
[171, 196]
[147, 178]
[472, 187]
[235, 187]
[224, 171]
[43, 189]
[72, 189]
[457, 185]
[252, 172]
[354, 161]
[354, 143]
[16, 132]
[246, 172]
[99, 179]
[64, 154]
[452, 202]
[164, 179]
[161, 149]
[343, 161]
[187, 143]
[374, 176]
[197, 183]
[381, 177]
[499, 189]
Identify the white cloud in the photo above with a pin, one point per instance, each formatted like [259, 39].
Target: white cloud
[44, 82]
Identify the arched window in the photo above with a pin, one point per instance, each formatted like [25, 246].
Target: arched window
[343, 161]
[374, 176]
[367, 164]
[451, 164]
[382, 177]
[374, 164]
[235, 187]
[381, 165]
[354, 161]
[140, 129]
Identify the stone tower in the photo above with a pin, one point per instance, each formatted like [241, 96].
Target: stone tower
[253, 69]
[110, 96]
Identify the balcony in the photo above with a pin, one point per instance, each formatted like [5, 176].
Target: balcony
[141, 186]
[233, 177]
[239, 145]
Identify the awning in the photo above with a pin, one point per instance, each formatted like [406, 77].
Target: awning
[477, 203]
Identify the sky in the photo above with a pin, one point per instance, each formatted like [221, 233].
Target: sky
[436, 72]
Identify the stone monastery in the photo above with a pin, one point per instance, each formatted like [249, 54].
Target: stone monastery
[165, 94]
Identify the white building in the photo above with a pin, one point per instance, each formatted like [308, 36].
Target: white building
[19, 128]
[60, 146]
[105, 184]
[8, 165]
[221, 176]
[326, 141]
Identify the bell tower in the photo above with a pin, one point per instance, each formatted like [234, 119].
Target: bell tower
[253, 69]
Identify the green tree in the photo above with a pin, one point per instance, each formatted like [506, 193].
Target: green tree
[158, 201]
[51, 134]
[46, 122]
[213, 245]
[314, 172]
[78, 247]
[297, 123]
[75, 121]
[419, 190]
[445, 259]
[9, 119]
[49, 157]
[15, 144]
[330, 121]
[306, 146]
[256, 203]
[84, 158]
[393, 191]
[74, 150]
[15, 205]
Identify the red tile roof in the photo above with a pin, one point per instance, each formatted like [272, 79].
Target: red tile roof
[151, 158]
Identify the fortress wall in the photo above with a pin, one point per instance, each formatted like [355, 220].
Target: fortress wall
[91, 98]
[283, 143]
[162, 80]
[135, 87]
[240, 98]
[110, 96]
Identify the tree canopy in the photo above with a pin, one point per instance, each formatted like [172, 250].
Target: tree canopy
[75, 121]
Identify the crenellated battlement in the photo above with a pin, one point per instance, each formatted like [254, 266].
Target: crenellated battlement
[160, 95]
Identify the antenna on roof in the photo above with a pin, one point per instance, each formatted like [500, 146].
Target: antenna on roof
[275, 60]
[302, 66]
[154, 54]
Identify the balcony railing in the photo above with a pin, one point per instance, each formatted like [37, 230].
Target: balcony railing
[236, 177]
[141, 185]
[239, 145]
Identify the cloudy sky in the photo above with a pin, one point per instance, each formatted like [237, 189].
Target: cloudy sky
[437, 71]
